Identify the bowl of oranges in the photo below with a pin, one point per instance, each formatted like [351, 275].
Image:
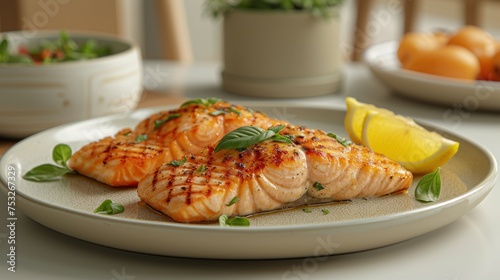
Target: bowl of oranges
[459, 69]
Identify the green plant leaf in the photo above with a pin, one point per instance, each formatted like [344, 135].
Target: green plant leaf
[201, 169]
[159, 123]
[224, 221]
[233, 201]
[178, 162]
[109, 207]
[345, 142]
[201, 101]
[318, 186]
[140, 138]
[4, 53]
[217, 113]
[46, 172]
[61, 154]
[429, 187]
[243, 137]
[281, 138]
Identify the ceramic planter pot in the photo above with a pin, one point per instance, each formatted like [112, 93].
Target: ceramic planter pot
[281, 54]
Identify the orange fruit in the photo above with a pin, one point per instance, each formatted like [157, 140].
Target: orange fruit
[415, 43]
[480, 43]
[447, 61]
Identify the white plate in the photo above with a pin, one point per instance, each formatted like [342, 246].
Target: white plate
[66, 205]
[462, 95]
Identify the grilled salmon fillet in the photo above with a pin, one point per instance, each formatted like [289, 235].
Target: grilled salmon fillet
[122, 160]
[343, 172]
[264, 177]
[269, 175]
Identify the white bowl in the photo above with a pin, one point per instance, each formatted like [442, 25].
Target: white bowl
[36, 97]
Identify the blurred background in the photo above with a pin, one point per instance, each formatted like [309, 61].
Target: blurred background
[139, 20]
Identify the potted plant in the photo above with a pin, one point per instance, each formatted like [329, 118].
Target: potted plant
[280, 48]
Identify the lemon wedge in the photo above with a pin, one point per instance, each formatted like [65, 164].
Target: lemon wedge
[399, 138]
[355, 116]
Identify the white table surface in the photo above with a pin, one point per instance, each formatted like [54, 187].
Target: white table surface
[466, 249]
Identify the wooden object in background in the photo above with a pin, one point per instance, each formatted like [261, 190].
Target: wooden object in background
[471, 17]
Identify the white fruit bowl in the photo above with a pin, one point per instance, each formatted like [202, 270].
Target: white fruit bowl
[37, 97]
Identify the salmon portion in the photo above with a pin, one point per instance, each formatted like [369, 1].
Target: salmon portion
[346, 172]
[119, 161]
[264, 177]
[122, 160]
[269, 175]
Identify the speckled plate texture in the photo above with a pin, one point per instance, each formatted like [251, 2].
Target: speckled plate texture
[67, 205]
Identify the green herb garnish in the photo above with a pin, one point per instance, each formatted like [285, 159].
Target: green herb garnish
[159, 123]
[178, 162]
[245, 136]
[318, 186]
[201, 169]
[325, 211]
[345, 142]
[109, 207]
[140, 138]
[233, 201]
[307, 210]
[201, 101]
[224, 221]
[48, 172]
[217, 113]
[225, 111]
[234, 111]
[429, 187]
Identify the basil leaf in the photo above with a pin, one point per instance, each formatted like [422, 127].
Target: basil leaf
[225, 111]
[60, 154]
[224, 221]
[45, 172]
[231, 109]
[281, 138]
[217, 112]
[201, 169]
[429, 187]
[159, 123]
[340, 139]
[276, 129]
[201, 101]
[102, 207]
[307, 210]
[318, 186]
[178, 162]
[243, 137]
[114, 208]
[140, 138]
[325, 211]
[233, 201]
[109, 207]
